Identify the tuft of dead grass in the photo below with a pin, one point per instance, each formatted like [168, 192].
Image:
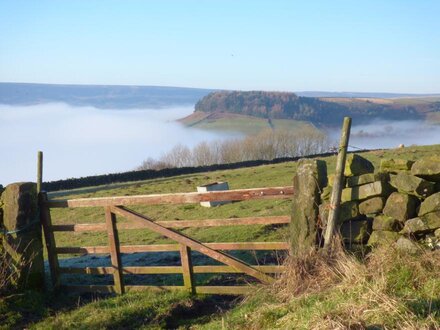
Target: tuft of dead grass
[316, 271]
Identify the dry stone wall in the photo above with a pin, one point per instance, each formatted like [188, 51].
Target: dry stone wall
[398, 203]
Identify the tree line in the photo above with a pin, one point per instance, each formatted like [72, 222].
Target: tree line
[318, 111]
[267, 145]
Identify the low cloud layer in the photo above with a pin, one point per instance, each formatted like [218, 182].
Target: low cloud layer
[390, 134]
[81, 141]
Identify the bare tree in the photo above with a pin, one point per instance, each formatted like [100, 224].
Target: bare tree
[267, 145]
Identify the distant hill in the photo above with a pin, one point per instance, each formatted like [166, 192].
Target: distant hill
[319, 111]
[364, 94]
[100, 96]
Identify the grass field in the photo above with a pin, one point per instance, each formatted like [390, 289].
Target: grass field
[405, 287]
[253, 177]
[397, 101]
[235, 123]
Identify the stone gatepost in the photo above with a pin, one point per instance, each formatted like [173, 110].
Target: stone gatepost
[22, 241]
[310, 178]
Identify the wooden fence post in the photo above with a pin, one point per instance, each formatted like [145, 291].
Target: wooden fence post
[115, 254]
[335, 199]
[188, 275]
[46, 222]
[39, 171]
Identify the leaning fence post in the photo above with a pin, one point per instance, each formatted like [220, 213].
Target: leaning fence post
[335, 199]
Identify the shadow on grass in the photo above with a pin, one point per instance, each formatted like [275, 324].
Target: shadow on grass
[21, 311]
[425, 308]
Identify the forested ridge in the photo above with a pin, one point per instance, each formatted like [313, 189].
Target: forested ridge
[281, 105]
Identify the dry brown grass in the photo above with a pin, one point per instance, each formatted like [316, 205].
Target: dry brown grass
[316, 271]
[342, 292]
[7, 273]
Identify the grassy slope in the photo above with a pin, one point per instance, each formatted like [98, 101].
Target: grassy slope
[118, 309]
[146, 310]
[228, 122]
[261, 176]
[424, 105]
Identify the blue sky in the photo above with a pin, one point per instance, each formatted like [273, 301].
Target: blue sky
[370, 46]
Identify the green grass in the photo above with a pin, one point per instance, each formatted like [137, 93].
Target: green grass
[147, 310]
[134, 310]
[253, 177]
[248, 125]
[388, 290]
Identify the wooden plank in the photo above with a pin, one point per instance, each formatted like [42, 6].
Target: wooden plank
[46, 222]
[187, 267]
[154, 288]
[249, 246]
[195, 245]
[177, 198]
[144, 270]
[230, 270]
[229, 290]
[88, 227]
[125, 270]
[226, 290]
[275, 246]
[115, 254]
[225, 222]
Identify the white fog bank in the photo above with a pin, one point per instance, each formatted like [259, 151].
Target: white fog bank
[82, 141]
[382, 134]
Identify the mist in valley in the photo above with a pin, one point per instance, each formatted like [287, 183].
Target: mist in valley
[82, 141]
[379, 134]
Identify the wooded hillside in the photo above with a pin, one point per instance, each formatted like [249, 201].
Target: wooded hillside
[279, 105]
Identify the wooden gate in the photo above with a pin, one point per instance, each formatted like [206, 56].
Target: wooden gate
[118, 206]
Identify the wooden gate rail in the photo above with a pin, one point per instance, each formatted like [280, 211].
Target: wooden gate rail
[173, 247]
[227, 290]
[115, 206]
[137, 270]
[176, 198]
[88, 227]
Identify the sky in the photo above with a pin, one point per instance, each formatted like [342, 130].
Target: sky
[364, 46]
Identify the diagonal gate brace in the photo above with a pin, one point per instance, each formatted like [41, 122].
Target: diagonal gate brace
[193, 244]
